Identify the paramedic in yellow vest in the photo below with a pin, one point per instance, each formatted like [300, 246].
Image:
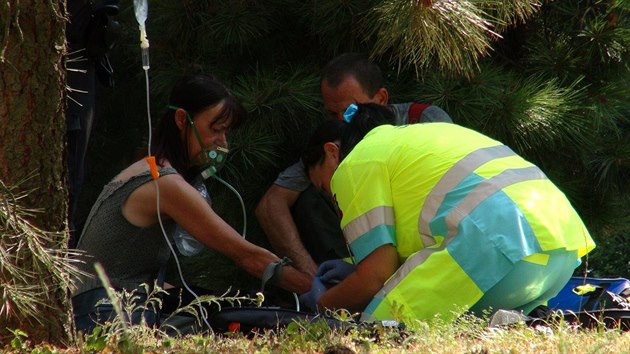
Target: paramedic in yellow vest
[441, 219]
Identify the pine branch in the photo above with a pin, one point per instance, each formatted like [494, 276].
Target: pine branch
[284, 97]
[236, 24]
[503, 14]
[554, 57]
[450, 35]
[28, 265]
[536, 115]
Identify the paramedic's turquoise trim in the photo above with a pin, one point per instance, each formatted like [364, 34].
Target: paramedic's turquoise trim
[381, 215]
[438, 225]
[373, 239]
[454, 176]
[371, 307]
[511, 234]
[458, 205]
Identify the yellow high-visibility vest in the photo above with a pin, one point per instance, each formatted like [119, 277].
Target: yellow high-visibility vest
[460, 208]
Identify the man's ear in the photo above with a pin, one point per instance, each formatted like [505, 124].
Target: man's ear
[180, 118]
[381, 96]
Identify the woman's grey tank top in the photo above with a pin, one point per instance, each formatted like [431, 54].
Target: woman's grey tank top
[129, 254]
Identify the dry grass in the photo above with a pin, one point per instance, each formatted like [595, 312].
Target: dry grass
[468, 335]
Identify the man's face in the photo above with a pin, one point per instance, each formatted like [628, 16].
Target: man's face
[337, 99]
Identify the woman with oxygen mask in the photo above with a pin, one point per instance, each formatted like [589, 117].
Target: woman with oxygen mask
[208, 161]
[125, 229]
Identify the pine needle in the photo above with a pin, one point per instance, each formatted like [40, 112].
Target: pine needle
[447, 34]
[30, 271]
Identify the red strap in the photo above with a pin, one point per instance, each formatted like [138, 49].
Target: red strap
[415, 112]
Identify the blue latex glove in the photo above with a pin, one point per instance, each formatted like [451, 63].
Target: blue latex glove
[333, 271]
[311, 297]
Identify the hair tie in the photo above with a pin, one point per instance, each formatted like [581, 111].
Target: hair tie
[349, 113]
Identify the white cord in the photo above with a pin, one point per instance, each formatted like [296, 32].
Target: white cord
[202, 310]
[297, 301]
[146, 80]
[295, 296]
[239, 198]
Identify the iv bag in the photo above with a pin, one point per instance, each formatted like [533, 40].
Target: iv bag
[141, 7]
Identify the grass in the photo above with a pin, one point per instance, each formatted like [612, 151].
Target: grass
[465, 335]
[420, 337]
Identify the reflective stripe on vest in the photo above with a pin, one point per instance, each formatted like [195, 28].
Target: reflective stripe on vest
[452, 178]
[473, 198]
[383, 215]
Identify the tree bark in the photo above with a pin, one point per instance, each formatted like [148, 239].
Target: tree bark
[32, 137]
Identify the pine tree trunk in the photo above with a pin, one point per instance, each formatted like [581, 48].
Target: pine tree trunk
[32, 136]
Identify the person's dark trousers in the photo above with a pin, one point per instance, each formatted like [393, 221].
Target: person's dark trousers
[318, 223]
[93, 308]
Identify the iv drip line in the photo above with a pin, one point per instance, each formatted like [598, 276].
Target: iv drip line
[140, 8]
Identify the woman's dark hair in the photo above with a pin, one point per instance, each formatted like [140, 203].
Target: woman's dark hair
[194, 94]
[367, 117]
[328, 131]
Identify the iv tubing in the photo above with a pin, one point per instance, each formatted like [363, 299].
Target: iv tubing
[203, 312]
[154, 173]
[146, 80]
[239, 198]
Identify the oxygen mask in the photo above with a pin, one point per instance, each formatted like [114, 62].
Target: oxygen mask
[209, 161]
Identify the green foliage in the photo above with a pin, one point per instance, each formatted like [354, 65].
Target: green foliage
[419, 338]
[279, 92]
[504, 14]
[610, 258]
[468, 334]
[17, 342]
[95, 341]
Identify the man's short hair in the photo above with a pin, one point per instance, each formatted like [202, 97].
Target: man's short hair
[358, 65]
